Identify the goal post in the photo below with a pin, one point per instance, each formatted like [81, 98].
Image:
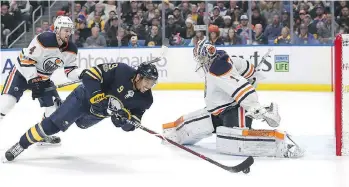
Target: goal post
[341, 93]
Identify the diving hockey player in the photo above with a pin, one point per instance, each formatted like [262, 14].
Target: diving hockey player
[34, 66]
[115, 90]
[231, 105]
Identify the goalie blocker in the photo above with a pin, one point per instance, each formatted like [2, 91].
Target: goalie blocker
[233, 133]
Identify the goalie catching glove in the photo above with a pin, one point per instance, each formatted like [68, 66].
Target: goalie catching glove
[125, 120]
[270, 114]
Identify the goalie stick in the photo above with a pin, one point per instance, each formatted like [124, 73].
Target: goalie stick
[243, 166]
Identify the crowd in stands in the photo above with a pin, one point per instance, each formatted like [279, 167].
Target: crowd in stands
[140, 23]
[13, 13]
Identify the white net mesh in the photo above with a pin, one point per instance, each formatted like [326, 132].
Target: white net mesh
[345, 94]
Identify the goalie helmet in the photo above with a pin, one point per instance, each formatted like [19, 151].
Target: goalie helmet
[204, 54]
[63, 22]
[148, 71]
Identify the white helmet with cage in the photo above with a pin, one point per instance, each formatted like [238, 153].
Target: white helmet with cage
[204, 54]
[63, 22]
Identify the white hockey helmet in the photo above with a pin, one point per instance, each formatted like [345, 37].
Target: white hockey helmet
[63, 22]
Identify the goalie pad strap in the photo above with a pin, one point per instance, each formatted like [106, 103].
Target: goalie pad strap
[239, 141]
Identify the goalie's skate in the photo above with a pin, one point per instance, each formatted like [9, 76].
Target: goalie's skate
[13, 152]
[293, 149]
[49, 141]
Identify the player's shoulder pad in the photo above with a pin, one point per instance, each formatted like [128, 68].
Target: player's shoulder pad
[221, 65]
[72, 48]
[47, 40]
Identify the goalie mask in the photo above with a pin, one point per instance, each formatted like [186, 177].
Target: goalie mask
[204, 54]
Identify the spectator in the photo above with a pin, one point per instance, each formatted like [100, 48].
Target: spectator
[308, 22]
[214, 38]
[171, 27]
[79, 41]
[25, 9]
[258, 37]
[96, 40]
[90, 6]
[232, 38]
[109, 6]
[270, 11]
[177, 40]
[111, 32]
[285, 19]
[84, 32]
[97, 22]
[67, 8]
[154, 38]
[98, 10]
[112, 15]
[323, 34]
[339, 7]
[284, 38]
[77, 8]
[188, 29]
[222, 9]
[235, 14]
[273, 30]
[121, 38]
[305, 37]
[133, 42]
[227, 25]
[328, 23]
[185, 9]
[150, 13]
[137, 28]
[38, 30]
[243, 30]
[258, 19]
[168, 7]
[178, 19]
[216, 19]
[343, 21]
[199, 35]
[128, 14]
[194, 15]
[8, 21]
[45, 26]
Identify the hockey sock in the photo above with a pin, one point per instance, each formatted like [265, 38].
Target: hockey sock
[38, 132]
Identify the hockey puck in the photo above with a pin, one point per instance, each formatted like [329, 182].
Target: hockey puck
[247, 170]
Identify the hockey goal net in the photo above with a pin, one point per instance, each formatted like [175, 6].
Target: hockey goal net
[341, 92]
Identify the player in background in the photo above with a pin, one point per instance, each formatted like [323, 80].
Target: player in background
[231, 106]
[34, 66]
[115, 90]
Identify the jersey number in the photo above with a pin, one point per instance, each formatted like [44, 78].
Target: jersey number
[31, 50]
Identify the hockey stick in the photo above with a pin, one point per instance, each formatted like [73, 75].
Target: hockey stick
[243, 166]
[62, 85]
[263, 59]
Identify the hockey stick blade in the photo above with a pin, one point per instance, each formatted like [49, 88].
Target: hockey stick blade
[243, 166]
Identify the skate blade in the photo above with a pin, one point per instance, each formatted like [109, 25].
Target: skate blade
[4, 160]
[45, 144]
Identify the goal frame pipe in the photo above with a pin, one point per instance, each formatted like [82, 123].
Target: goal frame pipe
[338, 92]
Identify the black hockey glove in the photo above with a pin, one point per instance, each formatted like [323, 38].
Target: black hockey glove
[99, 104]
[38, 86]
[125, 120]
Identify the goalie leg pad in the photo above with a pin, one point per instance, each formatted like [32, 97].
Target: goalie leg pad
[242, 141]
[190, 128]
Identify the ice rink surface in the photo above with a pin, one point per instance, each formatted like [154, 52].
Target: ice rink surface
[106, 156]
